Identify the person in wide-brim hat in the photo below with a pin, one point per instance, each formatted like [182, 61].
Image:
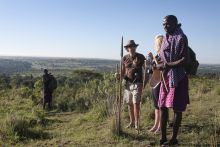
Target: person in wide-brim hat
[132, 74]
[130, 43]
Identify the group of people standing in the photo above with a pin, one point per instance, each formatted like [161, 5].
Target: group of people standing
[171, 91]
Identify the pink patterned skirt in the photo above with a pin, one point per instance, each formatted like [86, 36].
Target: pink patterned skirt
[177, 97]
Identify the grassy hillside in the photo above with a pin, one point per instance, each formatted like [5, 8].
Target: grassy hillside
[83, 113]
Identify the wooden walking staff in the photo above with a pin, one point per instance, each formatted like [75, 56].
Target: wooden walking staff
[117, 119]
[120, 84]
[119, 92]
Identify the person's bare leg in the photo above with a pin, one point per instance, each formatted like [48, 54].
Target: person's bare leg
[163, 124]
[131, 115]
[49, 105]
[44, 105]
[157, 121]
[176, 124]
[137, 114]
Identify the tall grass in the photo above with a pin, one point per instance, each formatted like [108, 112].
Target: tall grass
[23, 119]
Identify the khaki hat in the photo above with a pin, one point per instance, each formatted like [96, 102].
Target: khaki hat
[131, 43]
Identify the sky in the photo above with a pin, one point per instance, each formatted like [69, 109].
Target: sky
[93, 28]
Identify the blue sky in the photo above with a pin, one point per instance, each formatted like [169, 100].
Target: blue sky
[93, 28]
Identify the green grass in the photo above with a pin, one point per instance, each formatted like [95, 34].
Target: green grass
[200, 126]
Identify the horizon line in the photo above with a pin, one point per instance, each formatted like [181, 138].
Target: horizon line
[62, 57]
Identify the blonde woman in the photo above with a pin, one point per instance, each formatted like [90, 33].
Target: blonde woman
[155, 84]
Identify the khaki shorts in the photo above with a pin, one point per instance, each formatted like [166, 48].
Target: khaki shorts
[132, 93]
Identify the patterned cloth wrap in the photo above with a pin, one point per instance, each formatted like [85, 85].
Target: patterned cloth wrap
[173, 48]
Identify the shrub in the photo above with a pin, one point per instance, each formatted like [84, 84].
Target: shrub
[19, 126]
[82, 104]
[62, 105]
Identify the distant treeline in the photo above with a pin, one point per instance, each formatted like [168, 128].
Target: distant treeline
[11, 65]
[8, 66]
[64, 66]
[77, 77]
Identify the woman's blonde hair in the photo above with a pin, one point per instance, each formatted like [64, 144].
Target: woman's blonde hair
[158, 42]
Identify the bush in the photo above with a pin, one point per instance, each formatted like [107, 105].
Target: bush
[39, 115]
[99, 113]
[62, 105]
[64, 99]
[85, 75]
[19, 126]
[37, 92]
[82, 104]
[24, 92]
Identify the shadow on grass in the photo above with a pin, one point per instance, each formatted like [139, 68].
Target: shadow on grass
[48, 122]
[33, 134]
[58, 113]
[135, 136]
[193, 126]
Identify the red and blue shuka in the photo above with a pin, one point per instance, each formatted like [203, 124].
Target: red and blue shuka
[173, 48]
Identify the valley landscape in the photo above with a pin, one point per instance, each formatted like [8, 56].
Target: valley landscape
[84, 106]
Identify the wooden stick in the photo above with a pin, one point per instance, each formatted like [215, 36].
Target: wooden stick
[120, 90]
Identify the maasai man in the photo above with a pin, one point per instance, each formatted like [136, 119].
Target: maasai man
[46, 90]
[174, 88]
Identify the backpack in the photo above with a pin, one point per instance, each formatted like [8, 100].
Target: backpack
[192, 64]
[52, 83]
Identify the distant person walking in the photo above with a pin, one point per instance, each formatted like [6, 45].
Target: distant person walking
[132, 75]
[174, 88]
[155, 83]
[49, 84]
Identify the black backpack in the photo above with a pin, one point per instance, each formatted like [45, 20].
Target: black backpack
[192, 64]
[52, 83]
